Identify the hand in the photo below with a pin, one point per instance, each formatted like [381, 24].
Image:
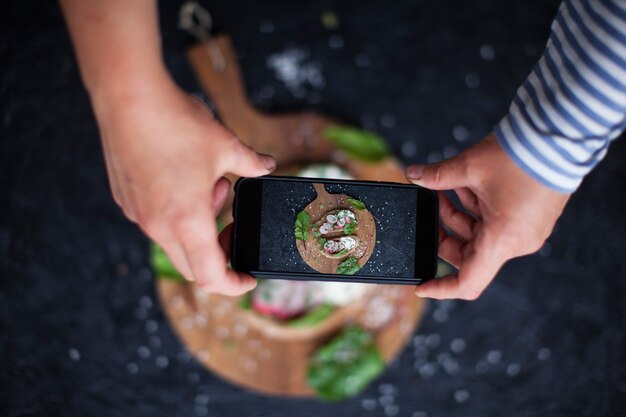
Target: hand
[508, 214]
[166, 157]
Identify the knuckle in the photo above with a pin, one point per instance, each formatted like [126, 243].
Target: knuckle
[471, 293]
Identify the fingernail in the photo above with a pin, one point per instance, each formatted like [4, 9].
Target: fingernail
[269, 162]
[415, 172]
[418, 293]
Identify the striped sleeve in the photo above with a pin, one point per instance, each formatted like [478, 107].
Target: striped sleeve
[573, 104]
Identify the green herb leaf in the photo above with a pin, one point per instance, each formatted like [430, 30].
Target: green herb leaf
[346, 365]
[316, 231]
[314, 317]
[162, 266]
[349, 267]
[349, 228]
[357, 143]
[246, 301]
[341, 252]
[357, 204]
[303, 221]
[321, 242]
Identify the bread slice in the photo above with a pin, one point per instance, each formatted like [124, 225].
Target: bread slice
[339, 247]
[335, 223]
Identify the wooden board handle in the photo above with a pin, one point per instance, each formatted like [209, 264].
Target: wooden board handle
[320, 190]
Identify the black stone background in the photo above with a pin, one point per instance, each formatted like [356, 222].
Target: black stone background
[393, 211]
[75, 272]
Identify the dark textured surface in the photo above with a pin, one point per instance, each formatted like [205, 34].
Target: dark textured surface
[77, 305]
[393, 211]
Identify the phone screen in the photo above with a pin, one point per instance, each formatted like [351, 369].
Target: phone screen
[338, 228]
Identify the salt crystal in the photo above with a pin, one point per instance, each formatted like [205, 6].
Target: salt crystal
[368, 404]
[386, 400]
[433, 340]
[143, 352]
[487, 52]
[409, 149]
[481, 367]
[427, 370]
[513, 369]
[544, 354]
[145, 302]
[391, 410]
[155, 342]
[440, 315]
[461, 396]
[335, 42]
[193, 377]
[202, 399]
[151, 326]
[74, 354]
[388, 121]
[362, 60]
[494, 357]
[457, 345]
[201, 410]
[472, 80]
[460, 133]
[387, 389]
[132, 368]
[266, 26]
[162, 361]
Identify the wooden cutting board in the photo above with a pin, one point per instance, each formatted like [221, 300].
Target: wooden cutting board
[238, 345]
[317, 209]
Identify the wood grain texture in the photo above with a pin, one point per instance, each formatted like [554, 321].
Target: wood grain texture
[242, 347]
[317, 209]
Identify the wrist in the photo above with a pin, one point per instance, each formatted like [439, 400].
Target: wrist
[120, 88]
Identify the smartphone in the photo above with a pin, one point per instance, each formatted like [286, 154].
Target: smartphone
[334, 230]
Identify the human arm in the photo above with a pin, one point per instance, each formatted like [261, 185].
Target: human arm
[516, 182]
[166, 156]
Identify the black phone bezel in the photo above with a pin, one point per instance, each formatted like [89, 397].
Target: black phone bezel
[247, 232]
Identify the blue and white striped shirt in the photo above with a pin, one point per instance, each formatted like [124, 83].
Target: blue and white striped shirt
[573, 104]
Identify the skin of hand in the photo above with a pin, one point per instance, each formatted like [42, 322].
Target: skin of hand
[166, 157]
[507, 214]
[165, 154]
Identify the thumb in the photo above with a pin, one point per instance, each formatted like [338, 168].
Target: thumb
[444, 175]
[246, 162]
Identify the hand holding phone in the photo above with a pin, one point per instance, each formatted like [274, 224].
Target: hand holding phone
[321, 229]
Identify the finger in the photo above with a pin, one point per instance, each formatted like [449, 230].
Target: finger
[206, 259]
[459, 222]
[450, 248]
[246, 162]
[469, 201]
[477, 270]
[225, 239]
[220, 192]
[444, 175]
[177, 256]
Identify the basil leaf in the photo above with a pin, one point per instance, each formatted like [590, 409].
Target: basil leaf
[313, 317]
[349, 267]
[321, 242]
[303, 221]
[346, 365]
[357, 143]
[341, 252]
[349, 228]
[162, 266]
[357, 204]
